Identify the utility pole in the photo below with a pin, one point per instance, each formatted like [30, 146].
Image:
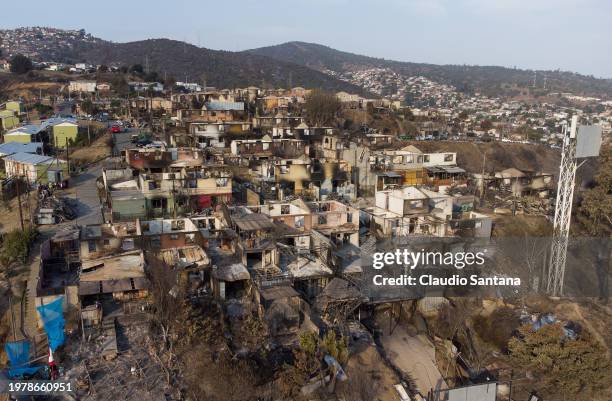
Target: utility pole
[67, 156]
[482, 177]
[18, 183]
[12, 316]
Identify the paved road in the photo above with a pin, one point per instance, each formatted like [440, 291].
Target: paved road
[123, 140]
[415, 356]
[85, 192]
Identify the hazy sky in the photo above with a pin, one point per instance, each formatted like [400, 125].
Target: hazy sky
[573, 35]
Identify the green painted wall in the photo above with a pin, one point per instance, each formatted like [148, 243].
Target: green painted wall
[128, 209]
[42, 171]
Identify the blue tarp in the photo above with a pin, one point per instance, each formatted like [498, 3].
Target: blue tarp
[19, 354]
[52, 317]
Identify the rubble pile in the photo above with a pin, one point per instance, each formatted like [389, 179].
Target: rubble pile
[52, 209]
[520, 205]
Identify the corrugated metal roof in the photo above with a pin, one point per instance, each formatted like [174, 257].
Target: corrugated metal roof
[253, 221]
[225, 106]
[58, 120]
[31, 129]
[17, 147]
[29, 158]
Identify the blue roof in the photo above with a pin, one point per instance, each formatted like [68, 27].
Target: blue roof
[29, 158]
[225, 106]
[31, 129]
[17, 147]
[57, 120]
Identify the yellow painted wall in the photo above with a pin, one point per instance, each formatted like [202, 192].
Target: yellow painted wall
[17, 107]
[22, 138]
[63, 133]
[7, 123]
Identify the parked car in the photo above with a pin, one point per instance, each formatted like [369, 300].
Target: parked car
[115, 129]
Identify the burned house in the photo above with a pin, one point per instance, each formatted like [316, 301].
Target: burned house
[216, 134]
[424, 212]
[98, 240]
[187, 189]
[416, 167]
[313, 178]
[404, 211]
[120, 277]
[123, 200]
[230, 281]
[517, 183]
[192, 264]
[163, 234]
[58, 274]
[256, 242]
[279, 306]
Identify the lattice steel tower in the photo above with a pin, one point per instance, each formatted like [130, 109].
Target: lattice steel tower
[563, 210]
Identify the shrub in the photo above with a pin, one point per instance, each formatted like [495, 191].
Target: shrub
[561, 365]
[16, 246]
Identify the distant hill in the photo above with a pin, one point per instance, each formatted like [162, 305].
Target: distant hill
[490, 80]
[219, 68]
[293, 63]
[222, 69]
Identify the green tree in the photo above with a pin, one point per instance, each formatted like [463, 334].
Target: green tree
[137, 69]
[120, 85]
[560, 364]
[88, 107]
[321, 107]
[20, 64]
[16, 246]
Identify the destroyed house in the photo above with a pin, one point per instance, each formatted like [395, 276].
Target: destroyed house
[334, 219]
[446, 175]
[215, 134]
[407, 211]
[186, 190]
[247, 147]
[522, 183]
[162, 234]
[313, 178]
[279, 307]
[159, 160]
[98, 240]
[123, 199]
[337, 221]
[471, 224]
[192, 263]
[256, 238]
[279, 120]
[411, 164]
[118, 277]
[59, 269]
[230, 281]
[213, 226]
[213, 116]
[266, 147]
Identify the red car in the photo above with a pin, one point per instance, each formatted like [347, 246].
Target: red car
[115, 129]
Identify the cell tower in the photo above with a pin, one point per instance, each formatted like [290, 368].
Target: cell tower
[577, 143]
